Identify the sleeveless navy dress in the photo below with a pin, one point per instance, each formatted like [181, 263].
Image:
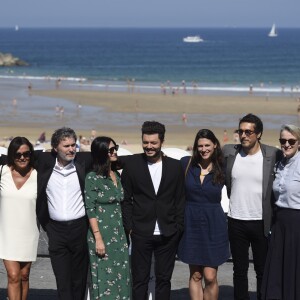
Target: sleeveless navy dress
[205, 238]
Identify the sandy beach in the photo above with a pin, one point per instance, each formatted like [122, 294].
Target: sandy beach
[136, 106]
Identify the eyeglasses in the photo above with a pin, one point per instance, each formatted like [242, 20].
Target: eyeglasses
[290, 141]
[112, 149]
[247, 132]
[25, 154]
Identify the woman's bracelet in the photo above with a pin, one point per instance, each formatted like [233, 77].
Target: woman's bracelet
[95, 231]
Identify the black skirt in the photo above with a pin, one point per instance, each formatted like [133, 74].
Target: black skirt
[281, 278]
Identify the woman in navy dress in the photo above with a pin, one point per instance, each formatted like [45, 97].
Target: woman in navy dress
[204, 244]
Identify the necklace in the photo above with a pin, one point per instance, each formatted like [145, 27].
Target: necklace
[205, 171]
[204, 174]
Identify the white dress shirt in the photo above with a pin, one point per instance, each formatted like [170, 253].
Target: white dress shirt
[156, 172]
[65, 200]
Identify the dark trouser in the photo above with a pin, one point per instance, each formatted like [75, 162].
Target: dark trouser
[164, 249]
[242, 234]
[69, 257]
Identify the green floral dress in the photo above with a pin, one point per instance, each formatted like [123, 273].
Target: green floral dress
[110, 274]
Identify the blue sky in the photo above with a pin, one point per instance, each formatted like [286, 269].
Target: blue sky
[150, 13]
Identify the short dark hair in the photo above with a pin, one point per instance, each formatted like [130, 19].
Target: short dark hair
[60, 134]
[99, 152]
[217, 157]
[251, 118]
[153, 127]
[13, 147]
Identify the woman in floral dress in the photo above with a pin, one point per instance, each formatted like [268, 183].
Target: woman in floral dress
[108, 249]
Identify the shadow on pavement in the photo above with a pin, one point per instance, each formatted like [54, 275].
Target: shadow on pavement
[34, 294]
[225, 293]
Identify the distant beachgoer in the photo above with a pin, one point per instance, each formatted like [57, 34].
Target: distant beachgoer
[61, 112]
[42, 138]
[225, 136]
[14, 102]
[236, 137]
[93, 134]
[184, 118]
[57, 108]
[58, 83]
[250, 89]
[79, 106]
[183, 86]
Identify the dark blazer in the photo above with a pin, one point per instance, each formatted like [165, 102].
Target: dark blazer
[45, 164]
[142, 207]
[270, 156]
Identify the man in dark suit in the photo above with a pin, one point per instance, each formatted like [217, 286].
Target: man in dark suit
[153, 212]
[249, 178]
[61, 212]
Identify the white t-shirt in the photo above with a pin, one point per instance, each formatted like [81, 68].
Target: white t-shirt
[246, 187]
[155, 172]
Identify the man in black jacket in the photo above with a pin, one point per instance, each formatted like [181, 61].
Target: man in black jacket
[153, 211]
[61, 212]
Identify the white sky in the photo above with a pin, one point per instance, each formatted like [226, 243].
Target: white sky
[149, 13]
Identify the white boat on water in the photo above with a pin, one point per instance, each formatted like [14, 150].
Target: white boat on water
[193, 39]
[17, 28]
[273, 32]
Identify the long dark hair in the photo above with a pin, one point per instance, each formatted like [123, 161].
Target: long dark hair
[13, 147]
[99, 151]
[217, 156]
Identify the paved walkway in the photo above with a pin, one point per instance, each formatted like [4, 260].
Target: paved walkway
[43, 287]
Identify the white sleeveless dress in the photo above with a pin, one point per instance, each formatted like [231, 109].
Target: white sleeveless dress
[19, 233]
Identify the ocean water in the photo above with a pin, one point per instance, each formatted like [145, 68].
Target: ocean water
[229, 59]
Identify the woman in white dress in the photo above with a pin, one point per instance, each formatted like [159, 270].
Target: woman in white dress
[18, 226]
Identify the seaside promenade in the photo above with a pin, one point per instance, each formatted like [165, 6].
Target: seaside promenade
[43, 287]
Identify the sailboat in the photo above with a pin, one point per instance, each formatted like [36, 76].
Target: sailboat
[17, 28]
[273, 32]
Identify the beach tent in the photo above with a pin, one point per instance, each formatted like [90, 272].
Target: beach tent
[123, 152]
[3, 150]
[175, 153]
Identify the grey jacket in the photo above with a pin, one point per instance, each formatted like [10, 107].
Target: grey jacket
[270, 156]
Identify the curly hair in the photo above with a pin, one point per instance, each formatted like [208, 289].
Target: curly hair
[60, 134]
[153, 127]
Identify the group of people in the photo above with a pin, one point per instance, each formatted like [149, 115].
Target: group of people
[159, 205]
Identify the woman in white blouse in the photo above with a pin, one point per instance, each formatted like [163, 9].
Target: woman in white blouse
[282, 270]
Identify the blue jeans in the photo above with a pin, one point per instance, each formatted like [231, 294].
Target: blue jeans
[242, 234]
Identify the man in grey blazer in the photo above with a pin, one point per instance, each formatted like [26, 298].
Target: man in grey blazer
[249, 178]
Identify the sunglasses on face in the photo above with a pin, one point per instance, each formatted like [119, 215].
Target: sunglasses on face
[112, 149]
[25, 154]
[247, 132]
[290, 141]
